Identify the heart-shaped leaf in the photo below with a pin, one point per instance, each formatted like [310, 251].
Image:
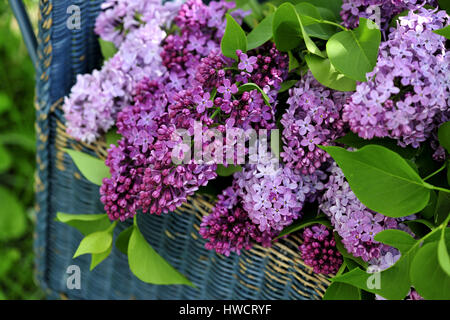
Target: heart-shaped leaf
[148, 265]
[354, 52]
[93, 169]
[382, 180]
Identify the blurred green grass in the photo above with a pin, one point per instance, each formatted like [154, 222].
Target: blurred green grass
[17, 160]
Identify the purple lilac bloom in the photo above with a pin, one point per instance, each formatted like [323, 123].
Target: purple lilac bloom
[354, 222]
[274, 196]
[319, 251]
[143, 175]
[313, 118]
[228, 228]
[381, 11]
[406, 96]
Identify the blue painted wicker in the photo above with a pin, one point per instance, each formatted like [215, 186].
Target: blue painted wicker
[275, 273]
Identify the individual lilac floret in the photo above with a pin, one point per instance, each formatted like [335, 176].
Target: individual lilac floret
[228, 228]
[313, 118]
[354, 222]
[319, 251]
[380, 11]
[120, 17]
[407, 95]
[274, 196]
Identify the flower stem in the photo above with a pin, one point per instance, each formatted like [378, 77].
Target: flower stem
[435, 173]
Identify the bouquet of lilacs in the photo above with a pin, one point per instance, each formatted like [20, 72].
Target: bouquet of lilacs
[325, 119]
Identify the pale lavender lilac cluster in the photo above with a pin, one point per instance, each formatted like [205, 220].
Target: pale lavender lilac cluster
[354, 222]
[319, 251]
[407, 95]
[313, 118]
[381, 11]
[118, 18]
[274, 195]
[92, 106]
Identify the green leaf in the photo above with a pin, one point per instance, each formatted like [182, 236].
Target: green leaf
[443, 256]
[108, 49]
[445, 32]
[293, 62]
[310, 17]
[332, 5]
[444, 135]
[326, 74]
[85, 223]
[382, 180]
[233, 39]
[98, 258]
[353, 140]
[394, 282]
[430, 209]
[112, 137]
[286, 85]
[254, 7]
[444, 4]
[253, 86]
[148, 265]
[396, 238]
[354, 52]
[9, 258]
[223, 171]
[93, 169]
[342, 291]
[13, 221]
[261, 33]
[5, 159]
[442, 207]
[123, 239]
[97, 242]
[304, 223]
[5, 102]
[287, 32]
[427, 276]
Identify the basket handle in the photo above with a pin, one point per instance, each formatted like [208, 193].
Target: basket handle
[25, 27]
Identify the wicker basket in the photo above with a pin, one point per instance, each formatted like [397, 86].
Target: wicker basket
[261, 273]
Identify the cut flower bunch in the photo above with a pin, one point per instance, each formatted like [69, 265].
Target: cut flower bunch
[349, 104]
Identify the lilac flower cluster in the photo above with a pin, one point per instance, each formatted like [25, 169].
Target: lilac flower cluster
[95, 99]
[407, 94]
[274, 196]
[201, 28]
[313, 118]
[266, 67]
[143, 175]
[381, 11]
[228, 228]
[118, 18]
[354, 222]
[319, 251]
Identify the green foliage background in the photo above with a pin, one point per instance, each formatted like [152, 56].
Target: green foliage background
[17, 160]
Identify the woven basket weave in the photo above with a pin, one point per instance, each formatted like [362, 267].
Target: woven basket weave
[276, 273]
